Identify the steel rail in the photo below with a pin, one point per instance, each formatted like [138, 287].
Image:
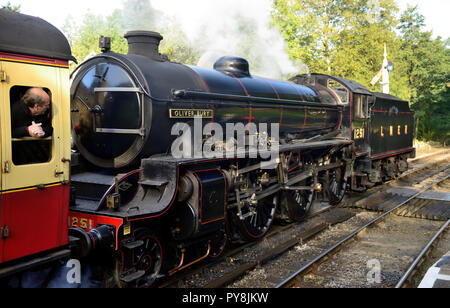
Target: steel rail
[413, 266]
[305, 269]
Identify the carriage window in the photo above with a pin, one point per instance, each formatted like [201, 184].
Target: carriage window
[361, 106]
[31, 125]
[339, 89]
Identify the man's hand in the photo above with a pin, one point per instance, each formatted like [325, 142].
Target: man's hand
[35, 130]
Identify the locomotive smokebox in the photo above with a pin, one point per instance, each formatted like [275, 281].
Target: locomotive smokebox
[144, 43]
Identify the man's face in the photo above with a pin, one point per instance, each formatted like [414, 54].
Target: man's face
[40, 110]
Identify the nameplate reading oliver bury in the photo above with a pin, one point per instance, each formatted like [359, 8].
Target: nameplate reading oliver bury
[190, 113]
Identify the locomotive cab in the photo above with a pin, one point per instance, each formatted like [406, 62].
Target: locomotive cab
[356, 100]
[380, 125]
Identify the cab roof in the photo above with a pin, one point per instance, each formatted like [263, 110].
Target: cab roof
[353, 86]
[29, 35]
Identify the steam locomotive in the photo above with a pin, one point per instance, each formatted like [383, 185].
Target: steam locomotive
[171, 162]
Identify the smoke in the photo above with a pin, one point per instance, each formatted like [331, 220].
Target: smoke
[62, 274]
[233, 28]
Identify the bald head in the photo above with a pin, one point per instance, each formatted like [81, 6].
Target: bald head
[37, 100]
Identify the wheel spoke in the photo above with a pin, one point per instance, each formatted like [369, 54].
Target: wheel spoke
[299, 201]
[147, 257]
[258, 224]
[336, 183]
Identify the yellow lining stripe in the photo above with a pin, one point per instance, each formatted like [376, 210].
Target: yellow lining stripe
[32, 62]
[29, 188]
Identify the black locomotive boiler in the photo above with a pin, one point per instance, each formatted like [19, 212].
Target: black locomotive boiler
[124, 106]
[159, 213]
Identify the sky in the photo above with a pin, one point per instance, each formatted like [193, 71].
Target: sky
[56, 11]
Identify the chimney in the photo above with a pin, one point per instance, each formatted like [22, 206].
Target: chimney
[144, 43]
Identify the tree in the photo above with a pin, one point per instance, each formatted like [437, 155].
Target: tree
[426, 64]
[135, 15]
[360, 46]
[337, 37]
[11, 7]
[346, 38]
[176, 45]
[311, 29]
[84, 38]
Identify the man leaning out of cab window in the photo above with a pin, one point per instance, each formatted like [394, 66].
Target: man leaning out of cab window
[30, 116]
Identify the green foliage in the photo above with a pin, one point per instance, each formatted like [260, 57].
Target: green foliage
[346, 37]
[135, 15]
[11, 7]
[311, 29]
[84, 39]
[426, 64]
[337, 37]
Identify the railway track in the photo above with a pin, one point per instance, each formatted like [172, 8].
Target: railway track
[408, 278]
[326, 269]
[253, 257]
[240, 259]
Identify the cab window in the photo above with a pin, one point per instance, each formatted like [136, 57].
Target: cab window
[28, 149]
[339, 89]
[325, 94]
[361, 106]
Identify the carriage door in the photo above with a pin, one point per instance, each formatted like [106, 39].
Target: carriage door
[33, 171]
[360, 124]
